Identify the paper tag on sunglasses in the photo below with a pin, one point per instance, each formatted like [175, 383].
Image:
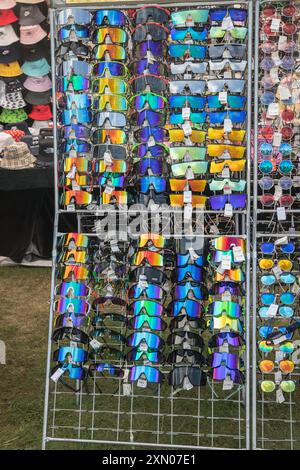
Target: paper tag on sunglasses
[95, 344]
[228, 383]
[238, 254]
[226, 296]
[227, 23]
[142, 383]
[227, 125]
[126, 389]
[278, 377]
[188, 212]
[224, 347]
[143, 284]
[281, 241]
[109, 189]
[277, 192]
[282, 40]
[222, 97]
[226, 262]
[228, 212]
[295, 289]
[273, 110]
[279, 396]
[281, 213]
[72, 172]
[75, 186]
[71, 207]
[150, 57]
[151, 141]
[187, 197]
[187, 384]
[279, 356]
[275, 25]
[277, 138]
[284, 92]
[143, 346]
[277, 271]
[225, 172]
[193, 253]
[272, 311]
[187, 129]
[279, 340]
[186, 112]
[57, 374]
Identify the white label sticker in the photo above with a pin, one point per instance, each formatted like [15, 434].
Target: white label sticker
[228, 210]
[227, 125]
[279, 355]
[226, 262]
[109, 189]
[95, 344]
[143, 346]
[142, 383]
[187, 129]
[277, 271]
[107, 158]
[281, 213]
[187, 197]
[277, 138]
[188, 212]
[272, 310]
[193, 253]
[281, 241]
[186, 112]
[284, 92]
[224, 347]
[227, 23]
[273, 110]
[279, 340]
[225, 172]
[238, 254]
[275, 25]
[279, 396]
[187, 384]
[71, 207]
[226, 296]
[143, 281]
[189, 174]
[57, 374]
[223, 97]
[227, 384]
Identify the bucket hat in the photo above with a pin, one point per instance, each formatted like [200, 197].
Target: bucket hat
[30, 15]
[5, 139]
[17, 156]
[31, 2]
[39, 84]
[31, 34]
[10, 53]
[13, 100]
[36, 51]
[41, 112]
[7, 35]
[12, 116]
[38, 68]
[7, 17]
[22, 126]
[38, 125]
[33, 97]
[12, 69]
[6, 4]
[16, 134]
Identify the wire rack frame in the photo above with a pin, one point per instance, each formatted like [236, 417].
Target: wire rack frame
[205, 418]
[274, 425]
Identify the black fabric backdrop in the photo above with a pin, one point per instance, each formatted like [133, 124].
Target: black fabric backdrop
[27, 212]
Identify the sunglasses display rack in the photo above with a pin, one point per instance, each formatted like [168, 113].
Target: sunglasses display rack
[276, 194]
[149, 331]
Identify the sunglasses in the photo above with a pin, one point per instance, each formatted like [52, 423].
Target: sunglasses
[236, 51]
[194, 272]
[267, 347]
[103, 368]
[284, 167]
[68, 50]
[225, 243]
[188, 67]
[114, 300]
[220, 373]
[114, 317]
[156, 48]
[76, 83]
[235, 275]
[156, 84]
[74, 256]
[152, 257]
[188, 153]
[216, 32]
[158, 183]
[153, 100]
[114, 166]
[76, 67]
[198, 168]
[288, 10]
[73, 371]
[217, 359]
[268, 200]
[179, 101]
[218, 323]
[70, 320]
[140, 321]
[75, 145]
[115, 85]
[155, 30]
[196, 118]
[119, 196]
[237, 201]
[77, 239]
[223, 150]
[185, 184]
[143, 66]
[115, 69]
[196, 33]
[233, 339]
[151, 374]
[182, 17]
[226, 286]
[268, 248]
[266, 366]
[82, 116]
[218, 117]
[287, 386]
[75, 131]
[115, 52]
[186, 356]
[151, 291]
[235, 66]
[155, 13]
[81, 32]
[116, 35]
[152, 356]
[270, 279]
[283, 310]
[73, 289]
[152, 118]
[80, 198]
[116, 136]
[150, 307]
[179, 200]
[76, 354]
[113, 17]
[287, 298]
[182, 291]
[236, 14]
[182, 321]
[220, 184]
[148, 339]
[185, 337]
[117, 152]
[233, 101]
[159, 134]
[192, 308]
[283, 264]
[231, 309]
[73, 334]
[233, 85]
[178, 135]
[267, 331]
[193, 373]
[157, 150]
[285, 182]
[153, 164]
[81, 164]
[116, 103]
[192, 50]
[233, 165]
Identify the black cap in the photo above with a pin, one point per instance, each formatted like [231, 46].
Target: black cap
[36, 51]
[10, 53]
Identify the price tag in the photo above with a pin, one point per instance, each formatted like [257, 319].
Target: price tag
[189, 174]
[279, 355]
[142, 383]
[225, 172]
[227, 23]
[226, 296]
[274, 75]
[277, 138]
[187, 384]
[238, 254]
[186, 344]
[95, 344]
[277, 271]
[220, 270]
[279, 340]
[189, 21]
[278, 377]
[143, 283]
[186, 112]
[295, 289]
[150, 57]
[73, 153]
[143, 346]
[284, 92]
[187, 211]
[275, 25]
[187, 76]
[186, 327]
[187, 197]
[281, 241]
[151, 142]
[72, 172]
[227, 74]
[193, 253]
[279, 396]
[277, 193]
[107, 158]
[227, 189]
[228, 210]
[227, 125]
[273, 110]
[226, 262]
[223, 97]
[75, 186]
[227, 384]
[57, 374]
[71, 207]
[69, 322]
[109, 189]
[282, 40]
[187, 129]
[281, 213]
[272, 311]
[224, 347]
[126, 389]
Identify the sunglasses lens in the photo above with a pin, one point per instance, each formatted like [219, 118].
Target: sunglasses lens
[266, 366]
[286, 311]
[288, 386]
[267, 386]
[287, 298]
[286, 366]
[264, 347]
[268, 279]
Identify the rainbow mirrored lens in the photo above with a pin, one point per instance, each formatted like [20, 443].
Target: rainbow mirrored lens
[227, 243]
[115, 51]
[114, 85]
[76, 306]
[76, 354]
[155, 323]
[153, 258]
[150, 307]
[117, 35]
[231, 309]
[156, 239]
[152, 374]
[152, 340]
[74, 288]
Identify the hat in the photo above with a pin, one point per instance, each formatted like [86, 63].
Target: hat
[16, 134]
[39, 84]
[38, 125]
[22, 126]
[41, 112]
[5, 139]
[30, 15]
[10, 53]
[12, 69]
[6, 4]
[13, 100]
[17, 157]
[38, 68]
[37, 51]
[7, 35]
[12, 116]
[31, 34]
[33, 97]
[7, 17]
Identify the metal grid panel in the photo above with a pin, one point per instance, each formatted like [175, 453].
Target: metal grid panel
[202, 418]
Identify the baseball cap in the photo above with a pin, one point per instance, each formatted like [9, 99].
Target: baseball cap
[33, 97]
[12, 69]
[7, 17]
[41, 112]
[39, 84]
[37, 68]
[10, 53]
[7, 35]
[6, 4]
[30, 15]
[31, 34]
[12, 116]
